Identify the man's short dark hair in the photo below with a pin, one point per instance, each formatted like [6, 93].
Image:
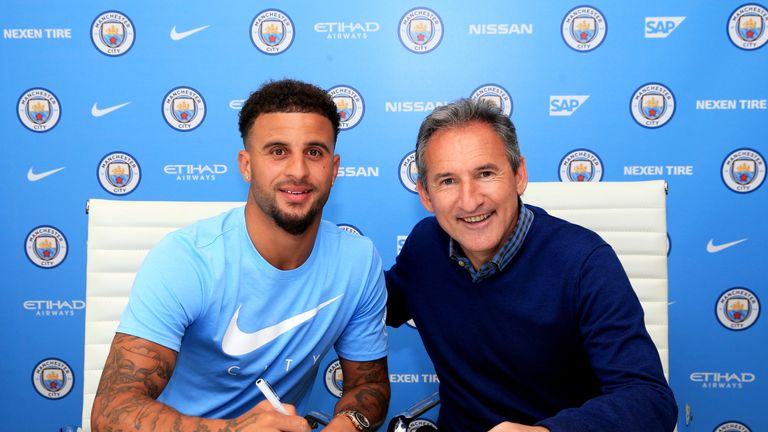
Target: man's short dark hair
[288, 96]
[461, 113]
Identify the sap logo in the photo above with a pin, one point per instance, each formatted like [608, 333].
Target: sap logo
[237, 104]
[412, 106]
[661, 27]
[400, 243]
[565, 105]
[358, 172]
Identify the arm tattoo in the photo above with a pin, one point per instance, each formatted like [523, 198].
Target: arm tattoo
[366, 389]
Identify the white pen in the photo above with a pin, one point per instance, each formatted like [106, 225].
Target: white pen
[271, 396]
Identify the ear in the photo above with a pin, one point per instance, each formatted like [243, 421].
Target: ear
[336, 164]
[521, 177]
[424, 197]
[244, 164]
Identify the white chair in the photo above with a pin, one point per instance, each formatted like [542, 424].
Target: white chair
[631, 216]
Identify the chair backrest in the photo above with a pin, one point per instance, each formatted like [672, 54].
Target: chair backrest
[631, 216]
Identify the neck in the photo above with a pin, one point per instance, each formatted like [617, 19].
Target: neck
[282, 250]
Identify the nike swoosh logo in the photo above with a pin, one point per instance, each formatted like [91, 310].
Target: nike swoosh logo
[96, 112]
[31, 176]
[236, 342]
[179, 36]
[713, 248]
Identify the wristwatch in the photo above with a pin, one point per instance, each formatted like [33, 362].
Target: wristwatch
[360, 421]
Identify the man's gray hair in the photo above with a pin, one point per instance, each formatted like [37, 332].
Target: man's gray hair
[461, 113]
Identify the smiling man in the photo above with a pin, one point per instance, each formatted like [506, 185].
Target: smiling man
[530, 321]
[262, 291]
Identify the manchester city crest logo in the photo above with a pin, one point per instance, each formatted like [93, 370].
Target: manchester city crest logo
[112, 33]
[652, 105]
[184, 109]
[421, 30]
[737, 309]
[584, 28]
[272, 31]
[732, 426]
[334, 380]
[581, 165]
[495, 94]
[38, 110]
[417, 425]
[46, 246]
[119, 173]
[409, 173]
[53, 378]
[746, 26]
[349, 104]
[350, 229]
[743, 170]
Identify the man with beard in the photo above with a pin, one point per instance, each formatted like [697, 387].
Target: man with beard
[262, 291]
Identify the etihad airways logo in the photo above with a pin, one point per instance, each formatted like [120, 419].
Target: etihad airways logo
[347, 30]
[237, 342]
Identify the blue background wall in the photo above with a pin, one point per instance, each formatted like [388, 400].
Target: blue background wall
[710, 87]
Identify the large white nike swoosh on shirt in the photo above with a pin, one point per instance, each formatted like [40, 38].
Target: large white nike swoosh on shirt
[236, 342]
[31, 176]
[713, 248]
[96, 112]
[179, 36]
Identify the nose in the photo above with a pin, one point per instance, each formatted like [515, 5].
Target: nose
[297, 166]
[470, 196]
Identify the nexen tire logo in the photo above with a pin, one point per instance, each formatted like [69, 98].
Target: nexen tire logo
[565, 105]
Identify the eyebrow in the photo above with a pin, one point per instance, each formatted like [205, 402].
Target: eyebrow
[275, 143]
[488, 166]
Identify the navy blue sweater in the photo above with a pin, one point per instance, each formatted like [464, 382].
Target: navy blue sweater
[555, 339]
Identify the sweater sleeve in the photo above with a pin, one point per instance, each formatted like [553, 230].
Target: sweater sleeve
[396, 279]
[634, 393]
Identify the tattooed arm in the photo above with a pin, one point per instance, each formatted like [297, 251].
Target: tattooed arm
[366, 389]
[134, 375]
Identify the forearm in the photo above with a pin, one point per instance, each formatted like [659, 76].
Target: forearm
[371, 399]
[631, 410]
[127, 410]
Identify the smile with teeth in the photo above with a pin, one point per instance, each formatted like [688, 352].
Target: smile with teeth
[475, 219]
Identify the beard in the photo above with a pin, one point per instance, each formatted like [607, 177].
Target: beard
[294, 224]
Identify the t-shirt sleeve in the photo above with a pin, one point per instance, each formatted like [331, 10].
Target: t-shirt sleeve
[365, 337]
[166, 295]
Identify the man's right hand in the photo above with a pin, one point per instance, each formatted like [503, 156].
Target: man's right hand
[264, 418]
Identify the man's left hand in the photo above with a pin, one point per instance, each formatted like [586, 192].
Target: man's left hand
[517, 427]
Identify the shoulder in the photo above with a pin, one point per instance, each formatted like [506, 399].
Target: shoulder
[347, 244]
[204, 233]
[562, 234]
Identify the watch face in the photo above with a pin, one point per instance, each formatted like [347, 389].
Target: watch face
[363, 421]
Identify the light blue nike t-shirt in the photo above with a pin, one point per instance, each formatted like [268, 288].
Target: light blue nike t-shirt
[206, 292]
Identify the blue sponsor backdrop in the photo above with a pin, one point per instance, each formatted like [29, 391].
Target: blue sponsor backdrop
[139, 101]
